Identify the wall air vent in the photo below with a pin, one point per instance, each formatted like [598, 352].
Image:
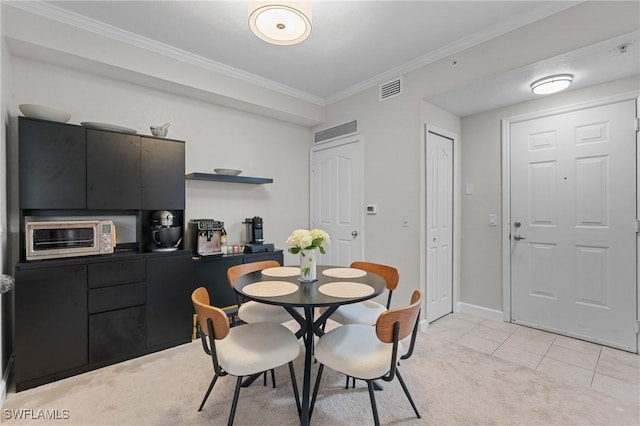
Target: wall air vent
[334, 132]
[390, 89]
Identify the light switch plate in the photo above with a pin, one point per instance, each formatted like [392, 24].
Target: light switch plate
[372, 209]
[493, 220]
[468, 188]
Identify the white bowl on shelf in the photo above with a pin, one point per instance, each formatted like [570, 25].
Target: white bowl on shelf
[227, 172]
[42, 112]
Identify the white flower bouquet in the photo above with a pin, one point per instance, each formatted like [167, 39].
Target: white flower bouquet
[302, 239]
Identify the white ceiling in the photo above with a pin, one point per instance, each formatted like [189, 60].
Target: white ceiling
[353, 45]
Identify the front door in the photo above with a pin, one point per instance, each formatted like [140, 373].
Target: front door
[573, 224]
[337, 199]
[439, 227]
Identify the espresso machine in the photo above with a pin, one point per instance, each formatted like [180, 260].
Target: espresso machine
[166, 235]
[204, 237]
[254, 236]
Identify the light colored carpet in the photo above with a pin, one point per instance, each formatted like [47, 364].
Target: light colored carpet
[451, 385]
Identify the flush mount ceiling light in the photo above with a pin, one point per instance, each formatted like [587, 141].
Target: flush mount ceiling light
[284, 23]
[551, 84]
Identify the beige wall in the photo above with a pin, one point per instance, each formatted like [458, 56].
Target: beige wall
[481, 256]
[215, 137]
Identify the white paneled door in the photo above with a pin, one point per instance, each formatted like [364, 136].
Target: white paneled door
[439, 227]
[573, 224]
[337, 199]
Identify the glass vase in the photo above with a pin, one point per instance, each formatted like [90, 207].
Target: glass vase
[308, 265]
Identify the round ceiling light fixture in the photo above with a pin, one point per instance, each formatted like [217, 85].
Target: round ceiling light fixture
[551, 84]
[283, 23]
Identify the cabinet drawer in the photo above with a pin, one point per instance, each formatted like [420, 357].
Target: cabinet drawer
[114, 273]
[117, 333]
[116, 297]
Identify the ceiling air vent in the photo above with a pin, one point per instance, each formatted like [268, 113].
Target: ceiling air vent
[390, 89]
[334, 132]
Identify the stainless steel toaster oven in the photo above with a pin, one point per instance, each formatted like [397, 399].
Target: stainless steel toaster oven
[55, 239]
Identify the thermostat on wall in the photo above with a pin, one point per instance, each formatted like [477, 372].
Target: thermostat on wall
[372, 209]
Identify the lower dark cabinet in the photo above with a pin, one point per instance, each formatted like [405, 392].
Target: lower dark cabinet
[50, 322]
[211, 273]
[169, 309]
[76, 315]
[116, 333]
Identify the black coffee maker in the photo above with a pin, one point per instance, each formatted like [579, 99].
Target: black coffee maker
[165, 234]
[254, 237]
[253, 230]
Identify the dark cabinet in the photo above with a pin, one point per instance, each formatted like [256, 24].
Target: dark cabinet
[52, 165]
[82, 314]
[117, 318]
[50, 322]
[103, 274]
[211, 272]
[116, 333]
[113, 171]
[169, 310]
[162, 177]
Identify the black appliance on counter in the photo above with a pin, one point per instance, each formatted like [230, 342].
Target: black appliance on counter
[165, 234]
[204, 237]
[253, 230]
[254, 236]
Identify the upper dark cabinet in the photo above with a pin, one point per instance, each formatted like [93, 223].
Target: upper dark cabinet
[69, 167]
[162, 163]
[52, 165]
[113, 170]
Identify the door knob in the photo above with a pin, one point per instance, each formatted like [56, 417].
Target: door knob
[518, 237]
[354, 233]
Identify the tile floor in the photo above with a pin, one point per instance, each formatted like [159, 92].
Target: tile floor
[601, 368]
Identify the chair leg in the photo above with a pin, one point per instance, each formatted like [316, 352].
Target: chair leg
[315, 389]
[406, 392]
[294, 383]
[273, 378]
[264, 379]
[353, 382]
[234, 404]
[376, 421]
[206, 395]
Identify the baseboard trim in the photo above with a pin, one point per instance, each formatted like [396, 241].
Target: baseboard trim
[4, 385]
[481, 311]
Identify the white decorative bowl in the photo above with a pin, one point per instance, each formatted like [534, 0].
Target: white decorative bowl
[227, 172]
[42, 112]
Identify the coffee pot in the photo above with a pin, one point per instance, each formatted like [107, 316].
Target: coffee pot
[165, 235]
[253, 230]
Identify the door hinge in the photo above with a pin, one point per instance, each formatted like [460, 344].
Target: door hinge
[637, 327]
[637, 124]
[637, 225]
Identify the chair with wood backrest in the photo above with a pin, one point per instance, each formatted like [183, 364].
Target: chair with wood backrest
[371, 352]
[367, 312]
[253, 312]
[250, 311]
[243, 350]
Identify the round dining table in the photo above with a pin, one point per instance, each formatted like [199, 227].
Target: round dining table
[334, 286]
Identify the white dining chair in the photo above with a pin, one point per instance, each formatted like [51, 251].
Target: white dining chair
[367, 312]
[243, 350]
[371, 352]
[250, 311]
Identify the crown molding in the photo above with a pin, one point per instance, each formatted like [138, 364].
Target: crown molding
[88, 24]
[451, 49]
[50, 11]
